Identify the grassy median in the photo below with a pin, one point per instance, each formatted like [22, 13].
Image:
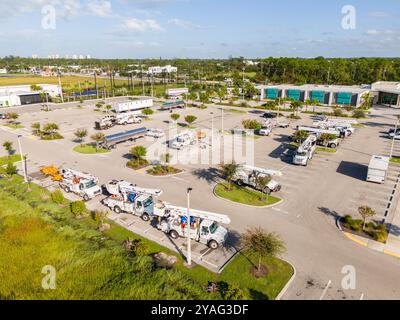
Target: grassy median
[244, 195]
[7, 159]
[89, 149]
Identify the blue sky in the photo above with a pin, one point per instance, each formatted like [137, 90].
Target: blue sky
[200, 28]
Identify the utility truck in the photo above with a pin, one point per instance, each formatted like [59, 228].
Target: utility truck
[155, 133]
[184, 139]
[204, 226]
[247, 175]
[127, 118]
[105, 123]
[305, 151]
[83, 184]
[333, 143]
[345, 128]
[115, 187]
[378, 168]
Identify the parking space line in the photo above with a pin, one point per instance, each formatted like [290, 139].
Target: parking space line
[325, 290]
[207, 251]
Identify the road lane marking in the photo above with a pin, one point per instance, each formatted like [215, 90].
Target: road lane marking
[325, 290]
[280, 210]
[207, 251]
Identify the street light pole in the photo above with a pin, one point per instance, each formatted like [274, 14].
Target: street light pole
[243, 85]
[189, 248]
[22, 159]
[212, 129]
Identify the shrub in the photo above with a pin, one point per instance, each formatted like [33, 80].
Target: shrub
[337, 112]
[348, 219]
[356, 225]
[78, 208]
[251, 124]
[231, 291]
[11, 169]
[358, 114]
[137, 163]
[147, 112]
[381, 236]
[160, 170]
[57, 197]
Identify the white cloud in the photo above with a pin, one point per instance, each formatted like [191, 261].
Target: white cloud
[379, 14]
[138, 25]
[184, 24]
[100, 8]
[374, 32]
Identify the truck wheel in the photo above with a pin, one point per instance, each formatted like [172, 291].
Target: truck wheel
[67, 189]
[333, 146]
[117, 209]
[267, 191]
[213, 244]
[173, 234]
[239, 183]
[86, 197]
[145, 217]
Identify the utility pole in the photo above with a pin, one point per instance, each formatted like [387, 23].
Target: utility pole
[243, 85]
[60, 85]
[95, 83]
[141, 73]
[22, 159]
[189, 248]
[212, 129]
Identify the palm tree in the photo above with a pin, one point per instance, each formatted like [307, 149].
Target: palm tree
[98, 138]
[300, 136]
[138, 152]
[81, 134]
[175, 117]
[262, 244]
[228, 172]
[8, 146]
[50, 128]
[190, 119]
[36, 128]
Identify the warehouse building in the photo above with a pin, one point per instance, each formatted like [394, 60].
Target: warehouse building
[323, 94]
[11, 96]
[387, 93]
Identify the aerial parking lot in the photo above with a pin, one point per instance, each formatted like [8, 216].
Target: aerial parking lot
[312, 197]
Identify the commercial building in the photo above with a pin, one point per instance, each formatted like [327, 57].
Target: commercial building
[387, 93]
[323, 94]
[166, 69]
[11, 96]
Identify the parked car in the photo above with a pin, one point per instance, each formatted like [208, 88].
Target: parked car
[264, 131]
[270, 115]
[3, 116]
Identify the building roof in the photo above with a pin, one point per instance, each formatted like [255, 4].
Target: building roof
[319, 87]
[386, 86]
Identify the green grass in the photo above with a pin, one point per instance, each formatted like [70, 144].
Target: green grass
[327, 150]
[14, 126]
[244, 195]
[7, 159]
[395, 160]
[35, 232]
[89, 149]
[235, 111]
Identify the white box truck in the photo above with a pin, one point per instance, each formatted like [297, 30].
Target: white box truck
[133, 106]
[377, 169]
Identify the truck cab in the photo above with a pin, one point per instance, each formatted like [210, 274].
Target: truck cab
[182, 141]
[87, 189]
[305, 152]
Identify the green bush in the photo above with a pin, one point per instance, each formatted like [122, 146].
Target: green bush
[231, 291]
[348, 219]
[337, 112]
[137, 163]
[160, 170]
[54, 136]
[381, 236]
[57, 197]
[11, 169]
[78, 208]
[358, 114]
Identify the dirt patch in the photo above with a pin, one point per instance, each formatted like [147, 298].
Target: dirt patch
[263, 272]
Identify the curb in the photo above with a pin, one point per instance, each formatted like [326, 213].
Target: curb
[287, 285]
[365, 243]
[247, 205]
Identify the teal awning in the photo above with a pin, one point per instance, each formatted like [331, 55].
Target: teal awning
[344, 98]
[272, 93]
[294, 94]
[318, 95]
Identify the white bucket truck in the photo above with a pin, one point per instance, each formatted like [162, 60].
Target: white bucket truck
[247, 175]
[128, 118]
[184, 139]
[333, 143]
[126, 197]
[305, 151]
[204, 226]
[83, 184]
[378, 168]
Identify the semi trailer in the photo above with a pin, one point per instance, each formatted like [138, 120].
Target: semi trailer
[111, 141]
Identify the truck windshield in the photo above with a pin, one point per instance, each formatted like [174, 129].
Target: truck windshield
[90, 184]
[213, 227]
[148, 202]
